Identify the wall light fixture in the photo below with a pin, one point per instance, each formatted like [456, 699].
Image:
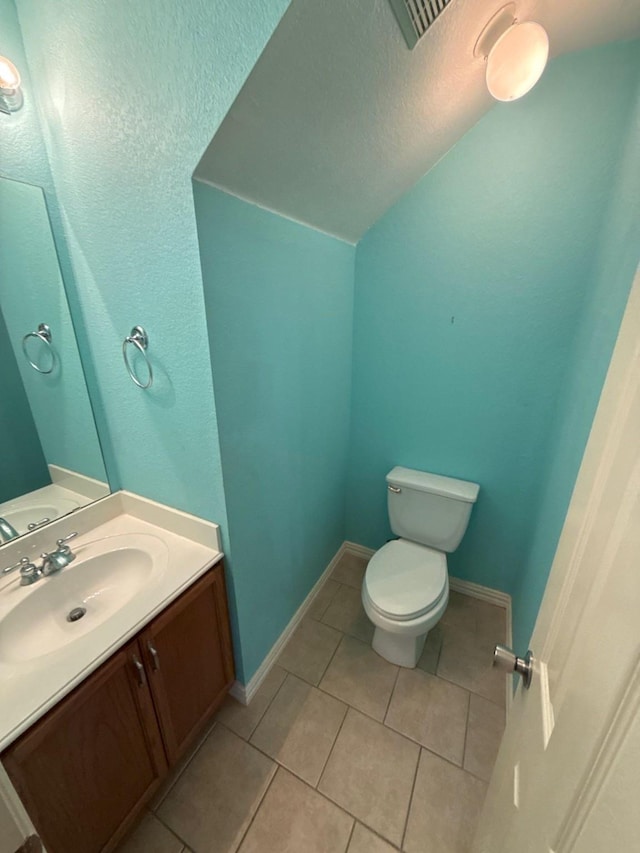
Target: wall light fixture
[10, 92]
[515, 53]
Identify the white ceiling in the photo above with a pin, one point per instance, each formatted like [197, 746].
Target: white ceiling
[338, 118]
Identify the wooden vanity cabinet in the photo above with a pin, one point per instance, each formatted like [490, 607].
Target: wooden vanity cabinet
[87, 768]
[188, 655]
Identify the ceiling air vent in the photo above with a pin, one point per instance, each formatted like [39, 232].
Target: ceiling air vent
[416, 16]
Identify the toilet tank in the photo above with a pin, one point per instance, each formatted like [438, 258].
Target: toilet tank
[428, 508]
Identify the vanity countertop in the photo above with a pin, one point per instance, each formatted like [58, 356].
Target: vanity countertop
[32, 683]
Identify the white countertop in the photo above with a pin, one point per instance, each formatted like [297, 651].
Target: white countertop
[29, 688]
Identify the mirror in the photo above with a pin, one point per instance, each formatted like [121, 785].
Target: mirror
[50, 458]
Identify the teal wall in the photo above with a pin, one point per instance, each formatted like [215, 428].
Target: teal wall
[23, 155]
[279, 299]
[23, 467]
[616, 259]
[32, 292]
[470, 326]
[122, 159]
[479, 280]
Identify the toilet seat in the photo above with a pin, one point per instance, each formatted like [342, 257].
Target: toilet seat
[405, 580]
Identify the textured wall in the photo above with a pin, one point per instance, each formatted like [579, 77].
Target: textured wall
[23, 467]
[32, 292]
[611, 275]
[469, 297]
[131, 95]
[22, 151]
[279, 300]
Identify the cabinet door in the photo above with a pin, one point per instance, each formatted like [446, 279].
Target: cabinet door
[189, 660]
[84, 770]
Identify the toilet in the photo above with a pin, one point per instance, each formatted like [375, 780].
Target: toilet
[406, 585]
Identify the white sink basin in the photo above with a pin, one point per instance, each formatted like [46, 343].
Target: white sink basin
[103, 579]
[21, 517]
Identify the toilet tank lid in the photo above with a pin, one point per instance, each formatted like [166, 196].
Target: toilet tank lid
[434, 483]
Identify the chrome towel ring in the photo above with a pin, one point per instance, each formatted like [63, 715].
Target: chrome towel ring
[140, 340]
[43, 334]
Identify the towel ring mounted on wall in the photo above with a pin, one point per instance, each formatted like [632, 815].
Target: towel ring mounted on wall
[43, 334]
[140, 340]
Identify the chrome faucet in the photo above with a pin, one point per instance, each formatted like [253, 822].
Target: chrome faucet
[58, 559]
[52, 563]
[7, 531]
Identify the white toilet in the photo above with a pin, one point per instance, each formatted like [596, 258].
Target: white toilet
[406, 585]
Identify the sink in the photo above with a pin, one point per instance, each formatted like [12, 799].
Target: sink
[22, 516]
[96, 587]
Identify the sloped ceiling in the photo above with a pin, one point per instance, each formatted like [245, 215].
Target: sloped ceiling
[338, 118]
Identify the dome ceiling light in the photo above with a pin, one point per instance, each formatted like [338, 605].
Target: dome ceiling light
[515, 52]
[10, 91]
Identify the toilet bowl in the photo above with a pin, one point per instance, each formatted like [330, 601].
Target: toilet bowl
[406, 585]
[405, 593]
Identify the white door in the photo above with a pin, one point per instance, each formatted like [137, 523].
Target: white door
[567, 778]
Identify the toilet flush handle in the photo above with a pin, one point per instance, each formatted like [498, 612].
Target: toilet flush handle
[394, 489]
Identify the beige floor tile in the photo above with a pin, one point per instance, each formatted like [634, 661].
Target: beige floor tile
[149, 835]
[360, 677]
[350, 570]
[364, 841]
[460, 612]
[294, 818]
[429, 658]
[484, 733]
[467, 660]
[323, 599]
[346, 613]
[300, 727]
[491, 622]
[243, 719]
[212, 803]
[445, 807]
[179, 769]
[430, 711]
[309, 650]
[370, 774]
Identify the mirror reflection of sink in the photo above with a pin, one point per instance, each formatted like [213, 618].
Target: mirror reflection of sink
[22, 516]
[60, 609]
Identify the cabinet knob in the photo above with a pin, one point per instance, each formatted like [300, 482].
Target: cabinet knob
[142, 678]
[155, 658]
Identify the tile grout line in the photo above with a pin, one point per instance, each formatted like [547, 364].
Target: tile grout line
[413, 789]
[466, 730]
[258, 807]
[172, 831]
[268, 705]
[330, 661]
[333, 746]
[330, 602]
[353, 829]
[178, 775]
[342, 808]
[393, 690]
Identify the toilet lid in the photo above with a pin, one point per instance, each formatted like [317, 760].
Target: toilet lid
[404, 579]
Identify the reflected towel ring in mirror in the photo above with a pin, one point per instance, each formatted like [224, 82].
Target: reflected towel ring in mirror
[43, 334]
[140, 341]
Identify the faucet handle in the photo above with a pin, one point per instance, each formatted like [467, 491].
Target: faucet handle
[24, 563]
[61, 542]
[29, 572]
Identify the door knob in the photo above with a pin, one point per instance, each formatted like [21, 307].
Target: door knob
[506, 660]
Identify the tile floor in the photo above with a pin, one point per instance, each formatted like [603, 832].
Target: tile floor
[341, 751]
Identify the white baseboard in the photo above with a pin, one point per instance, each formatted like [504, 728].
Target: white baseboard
[358, 550]
[245, 692]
